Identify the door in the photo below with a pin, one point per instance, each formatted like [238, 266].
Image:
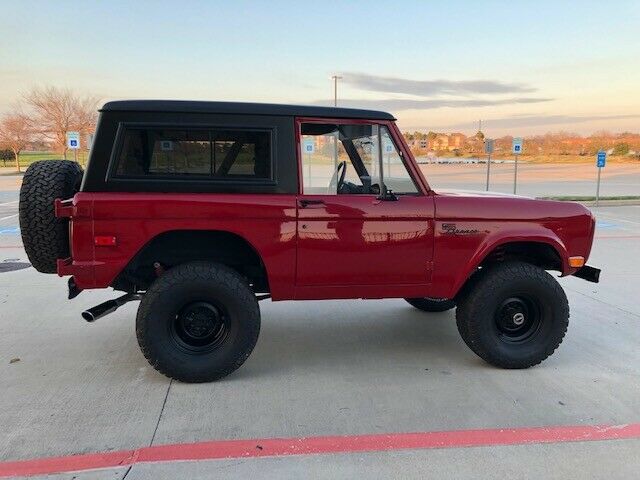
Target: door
[348, 233]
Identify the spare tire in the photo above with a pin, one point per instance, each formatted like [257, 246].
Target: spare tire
[45, 237]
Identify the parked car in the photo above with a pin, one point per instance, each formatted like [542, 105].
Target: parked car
[199, 210]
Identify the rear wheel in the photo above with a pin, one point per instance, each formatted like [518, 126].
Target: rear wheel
[198, 322]
[45, 237]
[515, 316]
[431, 304]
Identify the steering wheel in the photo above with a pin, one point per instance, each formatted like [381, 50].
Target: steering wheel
[339, 174]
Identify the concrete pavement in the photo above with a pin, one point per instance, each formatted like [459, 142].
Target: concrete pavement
[325, 368]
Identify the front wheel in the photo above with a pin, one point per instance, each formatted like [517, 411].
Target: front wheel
[198, 322]
[515, 316]
[431, 304]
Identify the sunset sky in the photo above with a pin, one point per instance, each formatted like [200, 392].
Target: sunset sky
[522, 67]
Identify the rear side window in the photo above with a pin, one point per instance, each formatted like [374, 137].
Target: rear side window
[217, 154]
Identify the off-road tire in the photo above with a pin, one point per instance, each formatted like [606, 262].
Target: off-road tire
[431, 304]
[196, 283]
[45, 237]
[481, 314]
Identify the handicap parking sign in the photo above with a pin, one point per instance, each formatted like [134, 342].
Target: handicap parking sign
[601, 159]
[308, 146]
[516, 146]
[73, 140]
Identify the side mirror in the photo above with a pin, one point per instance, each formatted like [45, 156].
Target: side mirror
[387, 195]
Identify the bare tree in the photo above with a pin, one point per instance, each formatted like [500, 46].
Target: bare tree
[15, 133]
[59, 110]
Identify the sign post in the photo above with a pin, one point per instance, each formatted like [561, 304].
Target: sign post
[601, 162]
[488, 149]
[73, 143]
[516, 148]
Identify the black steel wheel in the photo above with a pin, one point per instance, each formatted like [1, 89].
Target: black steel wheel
[518, 318]
[198, 322]
[200, 327]
[514, 316]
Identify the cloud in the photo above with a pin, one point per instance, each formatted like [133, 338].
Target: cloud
[395, 104]
[542, 120]
[431, 88]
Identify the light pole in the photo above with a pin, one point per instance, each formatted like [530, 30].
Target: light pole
[335, 79]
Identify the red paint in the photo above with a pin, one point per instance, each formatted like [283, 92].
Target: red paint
[352, 246]
[353, 233]
[500, 219]
[279, 447]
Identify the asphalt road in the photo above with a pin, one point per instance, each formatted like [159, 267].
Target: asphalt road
[323, 368]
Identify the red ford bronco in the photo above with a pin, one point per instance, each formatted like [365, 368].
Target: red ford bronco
[201, 209]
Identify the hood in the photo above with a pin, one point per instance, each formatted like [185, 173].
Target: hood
[479, 193]
[503, 206]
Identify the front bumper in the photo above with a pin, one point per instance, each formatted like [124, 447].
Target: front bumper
[590, 274]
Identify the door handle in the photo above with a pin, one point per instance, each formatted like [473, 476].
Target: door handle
[304, 203]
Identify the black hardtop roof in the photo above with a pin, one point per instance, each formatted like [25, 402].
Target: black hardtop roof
[241, 108]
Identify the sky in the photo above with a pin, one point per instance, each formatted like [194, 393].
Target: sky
[523, 67]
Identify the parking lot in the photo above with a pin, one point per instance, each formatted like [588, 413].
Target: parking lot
[327, 368]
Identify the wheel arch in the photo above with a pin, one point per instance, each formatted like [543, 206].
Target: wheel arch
[174, 247]
[545, 252]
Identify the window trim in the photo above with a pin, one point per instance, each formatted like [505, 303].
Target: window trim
[112, 177]
[402, 159]
[418, 180]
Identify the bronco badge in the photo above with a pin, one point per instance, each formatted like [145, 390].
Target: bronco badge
[452, 229]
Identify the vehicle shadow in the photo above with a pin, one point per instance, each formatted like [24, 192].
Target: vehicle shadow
[336, 335]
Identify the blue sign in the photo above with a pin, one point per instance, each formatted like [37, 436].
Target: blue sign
[602, 159]
[308, 146]
[73, 140]
[516, 145]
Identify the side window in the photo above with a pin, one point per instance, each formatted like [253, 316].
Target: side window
[214, 154]
[238, 153]
[395, 174]
[339, 159]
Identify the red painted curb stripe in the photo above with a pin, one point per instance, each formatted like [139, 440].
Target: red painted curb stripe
[277, 447]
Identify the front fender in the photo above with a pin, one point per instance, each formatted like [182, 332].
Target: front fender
[457, 257]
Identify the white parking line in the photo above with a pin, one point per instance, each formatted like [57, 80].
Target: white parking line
[7, 218]
[8, 203]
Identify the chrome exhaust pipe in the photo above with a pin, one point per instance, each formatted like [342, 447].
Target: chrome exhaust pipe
[110, 306]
